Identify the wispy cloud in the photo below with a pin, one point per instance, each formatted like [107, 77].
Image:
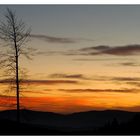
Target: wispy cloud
[137, 84]
[49, 53]
[125, 78]
[99, 59]
[129, 64]
[43, 82]
[114, 78]
[52, 82]
[125, 50]
[52, 39]
[68, 76]
[99, 90]
[93, 78]
[98, 48]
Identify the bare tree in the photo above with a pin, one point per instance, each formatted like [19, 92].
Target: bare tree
[14, 35]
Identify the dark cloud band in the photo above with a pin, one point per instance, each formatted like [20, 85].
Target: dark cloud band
[112, 50]
[52, 39]
[99, 90]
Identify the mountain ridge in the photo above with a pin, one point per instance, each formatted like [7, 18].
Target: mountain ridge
[75, 121]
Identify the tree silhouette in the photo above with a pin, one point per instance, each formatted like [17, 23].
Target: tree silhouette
[14, 36]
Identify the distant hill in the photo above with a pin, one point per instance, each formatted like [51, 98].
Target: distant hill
[82, 121]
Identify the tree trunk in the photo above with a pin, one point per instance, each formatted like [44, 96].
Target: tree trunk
[17, 88]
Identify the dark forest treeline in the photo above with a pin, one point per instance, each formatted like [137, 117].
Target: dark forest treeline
[114, 127]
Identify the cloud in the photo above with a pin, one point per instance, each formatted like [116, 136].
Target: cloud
[94, 78]
[50, 53]
[99, 59]
[32, 91]
[98, 48]
[134, 81]
[125, 78]
[52, 82]
[43, 82]
[99, 90]
[52, 39]
[129, 64]
[125, 50]
[137, 84]
[114, 78]
[68, 76]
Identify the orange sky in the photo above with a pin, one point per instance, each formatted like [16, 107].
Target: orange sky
[58, 96]
[87, 58]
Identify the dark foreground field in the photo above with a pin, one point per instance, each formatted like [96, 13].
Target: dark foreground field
[109, 122]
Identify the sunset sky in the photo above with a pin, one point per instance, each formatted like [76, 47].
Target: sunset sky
[88, 58]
